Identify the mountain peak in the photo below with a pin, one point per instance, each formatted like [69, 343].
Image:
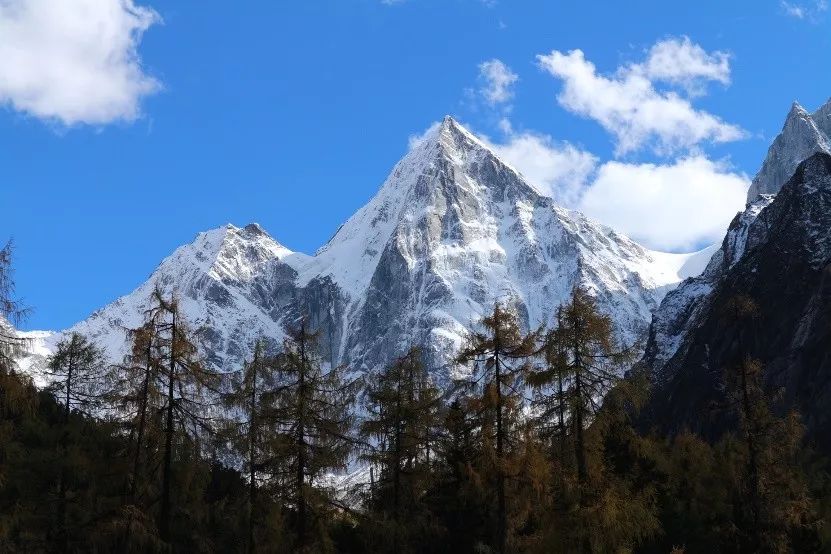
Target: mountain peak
[227, 252]
[802, 135]
[797, 112]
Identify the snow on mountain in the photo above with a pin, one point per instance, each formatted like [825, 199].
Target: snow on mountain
[802, 135]
[451, 230]
[784, 269]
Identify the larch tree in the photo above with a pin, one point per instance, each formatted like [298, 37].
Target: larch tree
[402, 406]
[138, 397]
[253, 430]
[550, 382]
[593, 362]
[314, 409]
[186, 385]
[76, 371]
[582, 363]
[77, 374]
[775, 511]
[498, 358]
[16, 393]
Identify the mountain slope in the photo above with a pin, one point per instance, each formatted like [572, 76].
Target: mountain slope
[451, 230]
[786, 270]
[802, 135]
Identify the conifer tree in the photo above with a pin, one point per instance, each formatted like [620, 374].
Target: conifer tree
[11, 311]
[185, 383]
[498, 358]
[76, 371]
[457, 498]
[772, 498]
[403, 409]
[550, 382]
[141, 397]
[137, 396]
[16, 392]
[253, 430]
[314, 408]
[593, 362]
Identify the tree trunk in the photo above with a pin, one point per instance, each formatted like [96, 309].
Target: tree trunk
[301, 443]
[252, 437]
[64, 533]
[502, 523]
[145, 388]
[168, 448]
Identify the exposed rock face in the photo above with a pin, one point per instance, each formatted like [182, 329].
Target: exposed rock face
[784, 267]
[452, 229]
[803, 134]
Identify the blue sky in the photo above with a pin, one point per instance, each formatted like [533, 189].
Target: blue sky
[122, 138]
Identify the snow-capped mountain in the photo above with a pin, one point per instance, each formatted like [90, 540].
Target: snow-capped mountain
[452, 229]
[784, 269]
[802, 135]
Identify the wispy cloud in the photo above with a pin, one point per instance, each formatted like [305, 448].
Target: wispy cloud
[496, 82]
[805, 10]
[74, 61]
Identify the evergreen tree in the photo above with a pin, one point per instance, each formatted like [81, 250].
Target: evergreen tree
[498, 358]
[314, 408]
[403, 408]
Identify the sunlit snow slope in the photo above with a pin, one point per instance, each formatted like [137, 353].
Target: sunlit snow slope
[451, 230]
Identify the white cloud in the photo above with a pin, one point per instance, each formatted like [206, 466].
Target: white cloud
[677, 207]
[497, 82]
[628, 105]
[74, 61]
[557, 169]
[793, 10]
[417, 138]
[805, 10]
[682, 62]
